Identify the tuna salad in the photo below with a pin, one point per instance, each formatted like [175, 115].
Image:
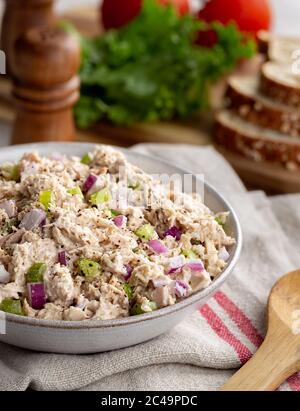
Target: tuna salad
[97, 238]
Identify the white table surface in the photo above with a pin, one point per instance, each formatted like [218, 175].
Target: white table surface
[286, 21]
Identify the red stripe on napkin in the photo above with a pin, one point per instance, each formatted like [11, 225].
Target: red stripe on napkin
[223, 332]
[239, 318]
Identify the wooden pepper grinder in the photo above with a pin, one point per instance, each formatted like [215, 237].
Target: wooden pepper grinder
[21, 15]
[45, 85]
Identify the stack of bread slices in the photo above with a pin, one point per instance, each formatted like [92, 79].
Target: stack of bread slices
[261, 120]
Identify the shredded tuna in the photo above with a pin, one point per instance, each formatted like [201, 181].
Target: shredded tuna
[109, 270]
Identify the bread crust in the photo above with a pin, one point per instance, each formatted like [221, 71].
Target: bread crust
[255, 109]
[263, 42]
[278, 90]
[256, 146]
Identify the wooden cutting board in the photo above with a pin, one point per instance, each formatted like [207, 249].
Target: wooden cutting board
[198, 131]
[192, 132]
[265, 176]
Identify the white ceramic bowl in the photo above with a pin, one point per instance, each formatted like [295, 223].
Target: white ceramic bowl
[96, 336]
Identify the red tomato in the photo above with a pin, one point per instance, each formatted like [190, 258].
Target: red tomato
[182, 6]
[250, 15]
[207, 38]
[117, 13]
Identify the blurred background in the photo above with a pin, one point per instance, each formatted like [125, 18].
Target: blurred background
[205, 72]
[286, 13]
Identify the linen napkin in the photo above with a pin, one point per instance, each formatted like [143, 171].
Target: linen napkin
[205, 349]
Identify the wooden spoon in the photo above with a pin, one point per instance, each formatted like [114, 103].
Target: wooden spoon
[279, 355]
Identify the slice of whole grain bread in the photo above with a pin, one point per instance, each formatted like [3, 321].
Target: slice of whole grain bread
[255, 142]
[281, 83]
[244, 98]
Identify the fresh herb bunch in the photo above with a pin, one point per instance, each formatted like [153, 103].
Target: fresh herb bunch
[152, 69]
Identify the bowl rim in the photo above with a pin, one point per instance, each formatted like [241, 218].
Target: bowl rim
[162, 312]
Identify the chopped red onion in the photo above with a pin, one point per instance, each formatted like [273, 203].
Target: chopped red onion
[129, 270]
[157, 246]
[45, 222]
[223, 254]
[120, 221]
[89, 182]
[174, 270]
[173, 232]
[181, 288]
[33, 219]
[195, 265]
[43, 225]
[4, 275]
[9, 207]
[62, 258]
[97, 186]
[176, 263]
[36, 295]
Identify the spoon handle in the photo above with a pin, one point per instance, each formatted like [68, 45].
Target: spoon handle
[272, 364]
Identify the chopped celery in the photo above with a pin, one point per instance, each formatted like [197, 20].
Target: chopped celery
[128, 290]
[75, 191]
[146, 232]
[15, 173]
[101, 197]
[111, 213]
[134, 186]
[11, 172]
[137, 308]
[153, 305]
[88, 268]
[220, 221]
[46, 198]
[9, 305]
[189, 254]
[36, 272]
[86, 159]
